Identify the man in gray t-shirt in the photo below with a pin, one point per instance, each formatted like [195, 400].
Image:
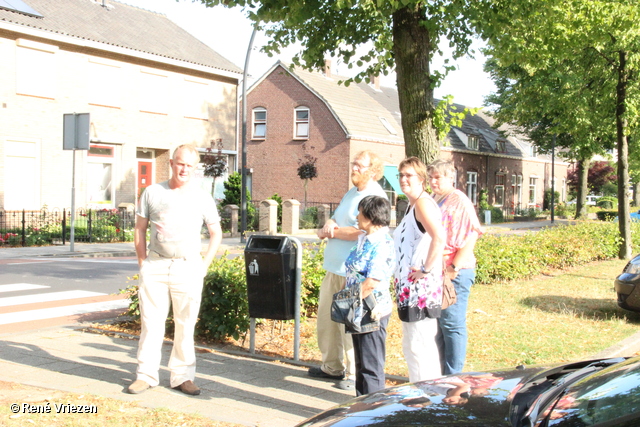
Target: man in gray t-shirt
[172, 270]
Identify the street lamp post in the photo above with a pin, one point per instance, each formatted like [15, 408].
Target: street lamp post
[243, 189]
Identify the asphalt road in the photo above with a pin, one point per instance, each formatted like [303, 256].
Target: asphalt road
[37, 292]
[104, 275]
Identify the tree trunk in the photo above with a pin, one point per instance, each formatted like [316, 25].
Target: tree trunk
[413, 45]
[583, 188]
[636, 194]
[623, 158]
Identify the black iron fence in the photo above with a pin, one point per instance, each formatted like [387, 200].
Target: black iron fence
[53, 226]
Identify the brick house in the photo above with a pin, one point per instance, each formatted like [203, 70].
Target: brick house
[293, 112]
[147, 85]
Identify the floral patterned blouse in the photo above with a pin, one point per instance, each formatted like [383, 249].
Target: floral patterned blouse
[460, 220]
[419, 299]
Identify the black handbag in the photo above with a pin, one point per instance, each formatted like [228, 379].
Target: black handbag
[349, 309]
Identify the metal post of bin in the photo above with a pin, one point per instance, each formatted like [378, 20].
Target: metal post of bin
[296, 306]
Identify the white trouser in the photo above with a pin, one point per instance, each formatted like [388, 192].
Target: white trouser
[420, 349]
[165, 281]
[335, 345]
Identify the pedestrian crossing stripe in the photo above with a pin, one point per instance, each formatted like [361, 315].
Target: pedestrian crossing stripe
[48, 313]
[14, 287]
[46, 297]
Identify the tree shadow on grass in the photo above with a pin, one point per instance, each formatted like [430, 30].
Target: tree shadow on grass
[588, 308]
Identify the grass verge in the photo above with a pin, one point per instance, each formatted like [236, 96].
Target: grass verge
[108, 412]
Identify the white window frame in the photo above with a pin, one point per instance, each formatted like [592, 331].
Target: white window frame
[195, 103]
[100, 159]
[259, 123]
[104, 83]
[27, 196]
[301, 123]
[499, 189]
[388, 126]
[154, 92]
[533, 190]
[36, 69]
[519, 189]
[472, 187]
[473, 142]
[501, 146]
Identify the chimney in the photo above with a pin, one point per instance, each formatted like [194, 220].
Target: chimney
[374, 80]
[327, 68]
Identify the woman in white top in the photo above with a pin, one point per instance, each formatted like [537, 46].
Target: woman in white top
[419, 241]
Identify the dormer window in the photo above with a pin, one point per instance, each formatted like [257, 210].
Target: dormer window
[388, 126]
[473, 142]
[501, 146]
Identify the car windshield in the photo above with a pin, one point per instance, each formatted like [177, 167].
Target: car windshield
[608, 397]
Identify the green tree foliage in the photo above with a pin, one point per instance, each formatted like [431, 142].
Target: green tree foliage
[400, 34]
[592, 50]
[232, 195]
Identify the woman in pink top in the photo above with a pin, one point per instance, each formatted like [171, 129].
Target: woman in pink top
[463, 229]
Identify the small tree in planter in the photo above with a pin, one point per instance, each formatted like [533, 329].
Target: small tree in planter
[215, 164]
[307, 170]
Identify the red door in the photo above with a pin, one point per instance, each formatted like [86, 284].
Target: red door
[145, 170]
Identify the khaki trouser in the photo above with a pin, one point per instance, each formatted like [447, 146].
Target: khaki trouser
[335, 345]
[165, 281]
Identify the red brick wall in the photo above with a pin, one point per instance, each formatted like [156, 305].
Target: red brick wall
[489, 166]
[274, 160]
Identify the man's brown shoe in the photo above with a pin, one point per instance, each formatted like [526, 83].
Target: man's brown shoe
[138, 386]
[188, 387]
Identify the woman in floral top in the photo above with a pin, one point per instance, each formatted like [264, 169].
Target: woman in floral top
[419, 242]
[369, 266]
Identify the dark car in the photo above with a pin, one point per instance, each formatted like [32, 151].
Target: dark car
[627, 285]
[591, 393]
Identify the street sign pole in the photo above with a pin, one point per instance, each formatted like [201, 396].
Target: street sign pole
[75, 136]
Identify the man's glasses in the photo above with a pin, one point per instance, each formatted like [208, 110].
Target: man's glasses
[359, 166]
[406, 175]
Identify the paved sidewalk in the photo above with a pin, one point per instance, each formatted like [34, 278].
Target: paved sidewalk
[236, 389]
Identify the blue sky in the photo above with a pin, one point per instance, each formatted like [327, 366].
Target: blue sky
[228, 32]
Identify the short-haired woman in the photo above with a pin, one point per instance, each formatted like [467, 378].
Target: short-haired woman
[419, 241]
[369, 266]
[463, 229]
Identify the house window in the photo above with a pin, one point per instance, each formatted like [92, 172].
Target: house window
[388, 126]
[532, 150]
[472, 186]
[36, 69]
[500, 146]
[154, 90]
[259, 123]
[302, 122]
[532, 189]
[22, 175]
[100, 175]
[519, 189]
[195, 97]
[104, 83]
[499, 189]
[473, 142]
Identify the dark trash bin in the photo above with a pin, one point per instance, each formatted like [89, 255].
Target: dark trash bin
[270, 265]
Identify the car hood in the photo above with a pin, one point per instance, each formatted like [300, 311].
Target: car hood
[469, 399]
